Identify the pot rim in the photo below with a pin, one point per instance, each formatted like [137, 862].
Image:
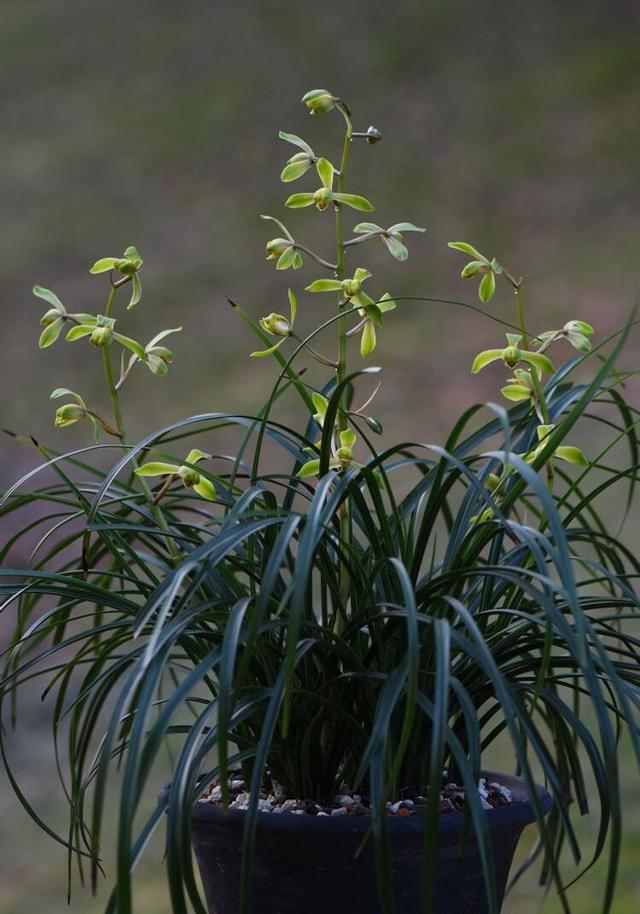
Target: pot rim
[520, 811]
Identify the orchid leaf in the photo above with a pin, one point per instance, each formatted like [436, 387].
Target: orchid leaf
[572, 455]
[205, 489]
[51, 333]
[355, 201]
[310, 468]
[280, 225]
[467, 249]
[485, 358]
[104, 264]
[297, 201]
[50, 297]
[325, 285]
[367, 228]
[487, 287]
[136, 291]
[294, 170]
[325, 172]
[297, 141]
[157, 468]
[368, 339]
[405, 227]
[396, 248]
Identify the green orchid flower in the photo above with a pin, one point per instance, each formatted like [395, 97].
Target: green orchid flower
[479, 266]
[391, 237]
[369, 338]
[577, 333]
[564, 452]
[128, 266]
[70, 413]
[157, 358]
[100, 330]
[283, 250]
[300, 163]
[350, 288]
[189, 476]
[341, 460]
[513, 354]
[54, 319]
[326, 195]
[369, 310]
[519, 387]
[278, 325]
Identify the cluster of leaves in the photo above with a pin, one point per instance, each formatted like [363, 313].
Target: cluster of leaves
[482, 603]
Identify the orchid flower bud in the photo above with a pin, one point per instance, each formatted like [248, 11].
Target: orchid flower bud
[189, 476]
[319, 101]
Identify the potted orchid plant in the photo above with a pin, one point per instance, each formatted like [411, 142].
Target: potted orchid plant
[333, 633]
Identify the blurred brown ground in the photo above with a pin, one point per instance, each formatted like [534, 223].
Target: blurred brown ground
[513, 125]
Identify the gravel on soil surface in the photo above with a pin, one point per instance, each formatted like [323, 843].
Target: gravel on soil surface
[347, 803]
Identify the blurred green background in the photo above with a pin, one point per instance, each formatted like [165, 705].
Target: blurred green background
[510, 124]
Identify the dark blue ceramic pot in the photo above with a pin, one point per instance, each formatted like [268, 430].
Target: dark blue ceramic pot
[307, 864]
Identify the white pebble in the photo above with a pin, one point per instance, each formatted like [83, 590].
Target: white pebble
[341, 811]
[503, 791]
[346, 800]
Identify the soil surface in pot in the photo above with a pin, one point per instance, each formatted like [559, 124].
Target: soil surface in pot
[452, 798]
